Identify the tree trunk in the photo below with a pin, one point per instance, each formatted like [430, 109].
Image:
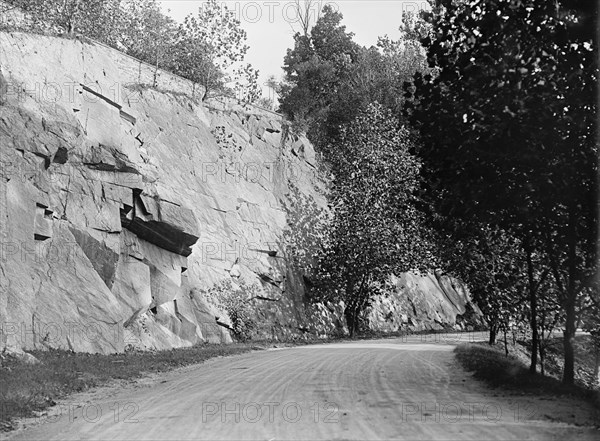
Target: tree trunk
[358, 303]
[155, 73]
[354, 314]
[533, 307]
[505, 344]
[597, 366]
[349, 318]
[569, 334]
[542, 351]
[356, 306]
[73, 18]
[568, 340]
[349, 312]
[492, 339]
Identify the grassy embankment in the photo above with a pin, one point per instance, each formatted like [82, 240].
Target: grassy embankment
[511, 374]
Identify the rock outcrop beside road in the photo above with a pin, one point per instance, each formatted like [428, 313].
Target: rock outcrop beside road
[122, 204]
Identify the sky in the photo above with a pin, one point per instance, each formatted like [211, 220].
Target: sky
[271, 25]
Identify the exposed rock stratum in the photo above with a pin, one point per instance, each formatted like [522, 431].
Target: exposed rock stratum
[121, 204]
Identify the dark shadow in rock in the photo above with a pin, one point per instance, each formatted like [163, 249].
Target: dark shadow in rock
[103, 259]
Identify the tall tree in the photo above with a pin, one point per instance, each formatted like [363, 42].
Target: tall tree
[330, 78]
[148, 34]
[307, 13]
[375, 226]
[209, 44]
[508, 128]
[246, 87]
[490, 261]
[316, 71]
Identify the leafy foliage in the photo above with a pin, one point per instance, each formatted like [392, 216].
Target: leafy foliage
[204, 48]
[508, 129]
[348, 99]
[94, 18]
[307, 230]
[316, 70]
[208, 44]
[148, 34]
[236, 301]
[375, 226]
[247, 88]
[330, 78]
[490, 261]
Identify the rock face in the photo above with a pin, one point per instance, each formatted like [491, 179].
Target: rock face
[121, 204]
[425, 303]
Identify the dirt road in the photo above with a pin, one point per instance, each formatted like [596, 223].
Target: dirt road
[409, 388]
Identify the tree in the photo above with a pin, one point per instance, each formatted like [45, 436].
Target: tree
[93, 18]
[307, 11]
[271, 101]
[137, 27]
[591, 323]
[316, 70]
[550, 314]
[374, 230]
[330, 78]
[209, 44]
[508, 129]
[148, 34]
[401, 59]
[246, 87]
[266, 103]
[489, 261]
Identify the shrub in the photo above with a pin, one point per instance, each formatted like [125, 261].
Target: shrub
[236, 301]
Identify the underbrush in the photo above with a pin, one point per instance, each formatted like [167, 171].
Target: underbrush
[584, 360]
[491, 365]
[553, 363]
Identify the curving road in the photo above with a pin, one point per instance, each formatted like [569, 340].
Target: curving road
[409, 388]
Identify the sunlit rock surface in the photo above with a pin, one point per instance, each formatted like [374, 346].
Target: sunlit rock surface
[121, 204]
[425, 303]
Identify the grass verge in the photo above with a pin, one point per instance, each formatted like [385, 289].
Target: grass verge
[492, 366]
[29, 388]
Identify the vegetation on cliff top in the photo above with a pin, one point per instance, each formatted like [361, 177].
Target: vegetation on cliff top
[207, 48]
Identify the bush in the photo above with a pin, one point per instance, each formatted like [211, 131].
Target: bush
[236, 301]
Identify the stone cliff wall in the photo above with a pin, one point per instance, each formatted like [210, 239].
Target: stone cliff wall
[120, 205]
